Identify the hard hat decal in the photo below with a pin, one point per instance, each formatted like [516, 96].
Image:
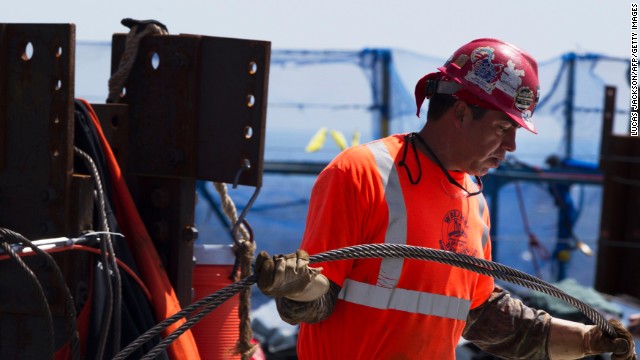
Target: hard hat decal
[461, 60]
[524, 98]
[483, 73]
[483, 65]
[510, 79]
[526, 116]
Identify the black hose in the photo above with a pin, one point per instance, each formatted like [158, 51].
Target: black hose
[207, 304]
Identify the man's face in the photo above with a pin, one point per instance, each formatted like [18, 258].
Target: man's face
[486, 141]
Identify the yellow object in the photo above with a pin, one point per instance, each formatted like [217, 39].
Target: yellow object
[317, 140]
[356, 138]
[339, 139]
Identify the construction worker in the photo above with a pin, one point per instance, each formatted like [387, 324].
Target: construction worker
[424, 189]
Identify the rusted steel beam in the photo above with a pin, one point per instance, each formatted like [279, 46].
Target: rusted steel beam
[196, 110]
[114, 122]
[619, 240]
[197, 107]
[36, 123]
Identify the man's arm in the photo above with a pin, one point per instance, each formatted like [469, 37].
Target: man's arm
[506, 327]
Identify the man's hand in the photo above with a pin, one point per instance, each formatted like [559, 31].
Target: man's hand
[571, 340]
[289, 276]
[622, 347]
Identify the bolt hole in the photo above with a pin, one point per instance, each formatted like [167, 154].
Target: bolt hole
[248, 132]
[253, 67]
[115, 122]
[58, 85]
[59, 52]
[155, 60]
[28, 52]
[251, 100]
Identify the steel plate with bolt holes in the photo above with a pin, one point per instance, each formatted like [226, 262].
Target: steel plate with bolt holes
[197, 107]
[36, 127]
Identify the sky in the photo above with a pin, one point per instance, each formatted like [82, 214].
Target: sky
[544, 28]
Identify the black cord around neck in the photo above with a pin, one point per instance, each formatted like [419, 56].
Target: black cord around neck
[408, 139]
[453, 181]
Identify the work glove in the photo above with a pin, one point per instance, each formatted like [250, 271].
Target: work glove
[572, 340]
[289, 276]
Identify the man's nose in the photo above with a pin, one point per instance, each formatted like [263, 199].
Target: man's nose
[509, 141]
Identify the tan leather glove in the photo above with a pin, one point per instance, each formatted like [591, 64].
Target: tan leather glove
[572, 340]
[290, 276]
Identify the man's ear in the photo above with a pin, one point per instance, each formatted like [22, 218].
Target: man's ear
[459, 110]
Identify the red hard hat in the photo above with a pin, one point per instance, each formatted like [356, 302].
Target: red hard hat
[489, 73]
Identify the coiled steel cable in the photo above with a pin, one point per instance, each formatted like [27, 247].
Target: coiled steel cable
[481, 266]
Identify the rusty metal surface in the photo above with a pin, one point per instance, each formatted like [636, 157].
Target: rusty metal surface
[607, 123]
[24, 320]
[81, 205]
[23, 325]
[197, 107]
[167, 207]
[233, 106]
[36, 123]
[162, 106]
[619, 241]
[40, 196]
[114, 121]
[196, 110]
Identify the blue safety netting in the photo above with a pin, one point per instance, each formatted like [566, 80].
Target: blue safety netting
[355, 92]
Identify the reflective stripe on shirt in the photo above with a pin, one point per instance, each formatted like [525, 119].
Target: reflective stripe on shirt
[412, 301]
[485, 229]
[391, 268]
[385, 295]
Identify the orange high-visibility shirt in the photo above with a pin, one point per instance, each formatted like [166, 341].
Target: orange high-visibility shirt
[394, 308]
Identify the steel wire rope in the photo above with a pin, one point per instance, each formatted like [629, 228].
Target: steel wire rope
[481, 266]
[113, 312]
[71, 326]
[48, 342]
